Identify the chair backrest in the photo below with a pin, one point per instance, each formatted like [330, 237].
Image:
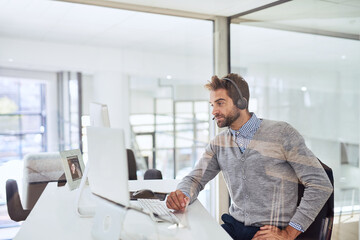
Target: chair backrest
[321, 228]
[149, 174]
[131, 164]
[39, 169]
[152, 174]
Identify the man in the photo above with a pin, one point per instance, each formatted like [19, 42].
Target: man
[262, 162]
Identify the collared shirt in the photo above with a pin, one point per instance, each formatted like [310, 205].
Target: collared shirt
[244, 135]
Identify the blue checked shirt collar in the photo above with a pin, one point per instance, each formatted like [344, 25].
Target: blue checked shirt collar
[248, 130]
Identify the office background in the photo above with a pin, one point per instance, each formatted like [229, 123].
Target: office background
[300, 58]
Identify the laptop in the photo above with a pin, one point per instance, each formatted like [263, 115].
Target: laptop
[108, 172]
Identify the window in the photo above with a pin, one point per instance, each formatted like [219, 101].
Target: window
[22, 118]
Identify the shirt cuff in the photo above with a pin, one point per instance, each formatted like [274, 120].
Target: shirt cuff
[296, 226]
[186, 194]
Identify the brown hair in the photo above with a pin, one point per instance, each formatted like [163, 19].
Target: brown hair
[231, 90]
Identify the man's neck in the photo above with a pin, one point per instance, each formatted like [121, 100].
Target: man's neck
[241, 120]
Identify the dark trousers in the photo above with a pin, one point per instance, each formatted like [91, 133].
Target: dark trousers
[237, 230]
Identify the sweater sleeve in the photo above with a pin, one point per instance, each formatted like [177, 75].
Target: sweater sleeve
[205, 170]
[310, 173]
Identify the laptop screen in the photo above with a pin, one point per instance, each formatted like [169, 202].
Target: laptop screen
[108, 169]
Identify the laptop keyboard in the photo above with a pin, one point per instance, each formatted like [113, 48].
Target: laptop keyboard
[158, 208]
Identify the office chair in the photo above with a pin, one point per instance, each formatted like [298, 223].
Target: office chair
[39, 170]
[152, 174]
[14, 206]
[131, 164]
[149, 174]
[321, 228]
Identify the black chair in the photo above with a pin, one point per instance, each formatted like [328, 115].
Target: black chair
[14, 206]
[131, 164]
[152, 174]
[149, 174]
[321, 228]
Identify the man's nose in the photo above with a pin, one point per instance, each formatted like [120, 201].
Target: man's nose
[214, 111]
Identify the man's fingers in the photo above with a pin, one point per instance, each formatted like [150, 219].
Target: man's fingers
[171, 204]
[177, 200]
[180, 196]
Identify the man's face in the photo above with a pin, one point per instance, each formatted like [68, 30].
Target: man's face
[224, 110]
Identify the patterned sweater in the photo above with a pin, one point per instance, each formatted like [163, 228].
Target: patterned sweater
[263, 181]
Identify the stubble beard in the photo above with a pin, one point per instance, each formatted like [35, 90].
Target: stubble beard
[228, 120]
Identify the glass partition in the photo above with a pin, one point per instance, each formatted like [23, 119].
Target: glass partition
[305, 71]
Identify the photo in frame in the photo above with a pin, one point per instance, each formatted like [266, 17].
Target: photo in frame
[73, 167]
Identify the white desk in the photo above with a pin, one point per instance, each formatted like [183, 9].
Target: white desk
[53, 217]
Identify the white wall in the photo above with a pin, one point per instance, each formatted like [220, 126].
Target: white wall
[29, 54]
[107, 70]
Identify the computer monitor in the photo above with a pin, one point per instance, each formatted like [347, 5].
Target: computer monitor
[108, 175]
[99, 115]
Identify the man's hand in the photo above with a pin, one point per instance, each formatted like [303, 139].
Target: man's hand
[271, 232]
[177, 200]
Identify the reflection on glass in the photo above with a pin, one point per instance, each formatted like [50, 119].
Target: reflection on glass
[185, 139]
[202, 137]
[184, 107]
[166, 128]
[9, 124]
[165, 163]
[183, 161]
[184, 118]
[144, 141]
[164, 119]
[32, 143]
[202, 116]
[22, 117]
[164, 140]
[303, 87]
[184, 127]
[144, 128]
[201, 107]
[164, 106]
[30, 93]
[31, 123]
[9, 148]
[137, 119]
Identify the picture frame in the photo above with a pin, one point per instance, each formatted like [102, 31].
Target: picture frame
[73, 167]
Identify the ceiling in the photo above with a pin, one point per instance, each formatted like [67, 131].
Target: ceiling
[65, 22]
[337, 18]
[203, 9]
[111, 27]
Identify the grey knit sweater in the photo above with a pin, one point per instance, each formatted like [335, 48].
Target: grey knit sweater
[263, 181]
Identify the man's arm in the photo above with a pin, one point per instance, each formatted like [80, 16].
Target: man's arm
[188, 189]
[311, 174]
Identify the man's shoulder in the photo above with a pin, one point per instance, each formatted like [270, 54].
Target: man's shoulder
[275, 125]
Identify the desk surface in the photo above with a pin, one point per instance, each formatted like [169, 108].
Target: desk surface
[53, 217]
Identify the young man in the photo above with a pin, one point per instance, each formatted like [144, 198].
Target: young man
[262, 162]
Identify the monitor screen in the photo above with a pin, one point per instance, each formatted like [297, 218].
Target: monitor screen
[99, 115]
